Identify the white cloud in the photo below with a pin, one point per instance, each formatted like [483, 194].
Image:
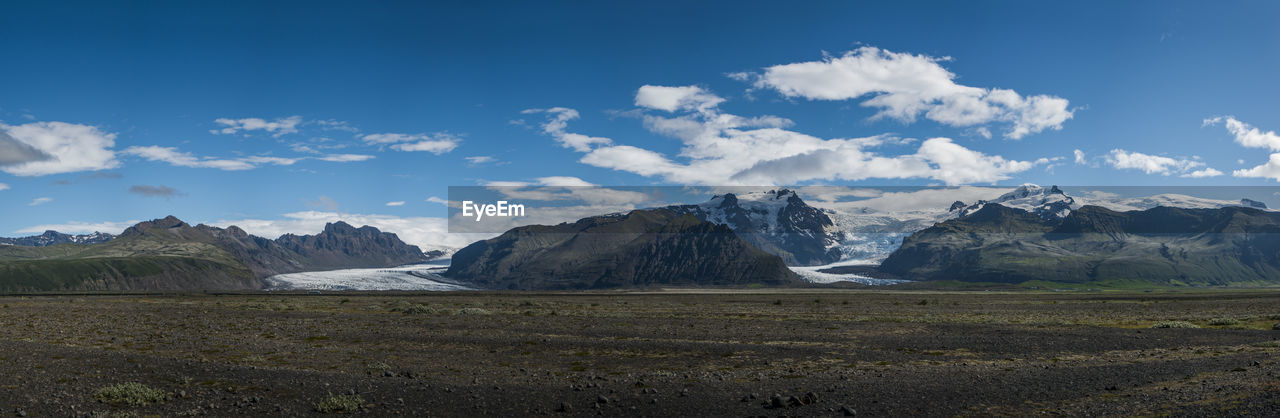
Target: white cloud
[1153, 164]
[80, 227]
[396, 203]
[904, 86]
[1246, 134]
[345, 158]
[479, 159]
[434, 147]
[40, 201]
[4, 187]
[56, 147]
[434, 199]
[277, 128]
[425, 232]
[725, 149]
[1079, 156]
[336, 125]
[1252, 137]
[555, 127]
[439, 143]
[1207, 172]
[1270, 170]
[924, 199]
[672, 99]
[174, 157]
[569, 189]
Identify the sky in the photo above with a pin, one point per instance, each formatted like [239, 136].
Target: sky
[280, 116]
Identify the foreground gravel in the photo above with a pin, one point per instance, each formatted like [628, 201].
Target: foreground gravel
[826, 352]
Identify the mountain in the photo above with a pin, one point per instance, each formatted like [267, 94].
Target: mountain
[54, 238]
[169, 254]
[1047, 203]
[870, 235]
[1053, 203]
[1231, 245]
[641, 248]
[777, 222]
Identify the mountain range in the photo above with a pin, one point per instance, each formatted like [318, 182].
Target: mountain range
[169, 254]
[1230, 245]
[54, 238]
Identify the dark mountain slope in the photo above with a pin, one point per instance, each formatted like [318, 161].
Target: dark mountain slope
[168, 254]
[775, 221]
[1162, 245]
[641, 248]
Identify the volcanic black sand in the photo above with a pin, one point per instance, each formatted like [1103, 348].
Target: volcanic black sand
[797, 352]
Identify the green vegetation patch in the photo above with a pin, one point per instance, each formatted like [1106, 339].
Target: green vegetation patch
[131, 393]
[339, 403]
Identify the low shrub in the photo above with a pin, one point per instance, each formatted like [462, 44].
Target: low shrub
[339, 403]
[131, 393]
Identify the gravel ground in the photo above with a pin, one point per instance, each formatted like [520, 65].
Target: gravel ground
[804, 352]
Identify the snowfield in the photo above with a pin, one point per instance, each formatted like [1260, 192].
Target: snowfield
[412, 277]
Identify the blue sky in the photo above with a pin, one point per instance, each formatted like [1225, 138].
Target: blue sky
[112, 111]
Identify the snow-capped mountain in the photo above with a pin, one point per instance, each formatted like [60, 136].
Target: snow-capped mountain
[1053, 203]
[776, 221]
[54, 238]
[871, 235]
[1047, 203]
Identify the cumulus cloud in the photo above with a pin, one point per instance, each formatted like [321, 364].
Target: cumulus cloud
[277, 127]
[558, 120]
[1079, 156]
[4, 187]
[1154, 164]
[726, 149]
[154, 191]
[15, 152]
[1252, 137]
[1246, 134]
[437, 144]
[43, 148]
[40, 201]
[672, 99]
[1206, 172]
[904, 86]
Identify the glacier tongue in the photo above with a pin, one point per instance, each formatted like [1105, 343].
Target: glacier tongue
[411, 277]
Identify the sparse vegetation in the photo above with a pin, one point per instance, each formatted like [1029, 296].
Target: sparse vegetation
[1174, 324]
[1223, 321]
[339, 404]
[419, 310]
[131, 393]
[472, 311]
